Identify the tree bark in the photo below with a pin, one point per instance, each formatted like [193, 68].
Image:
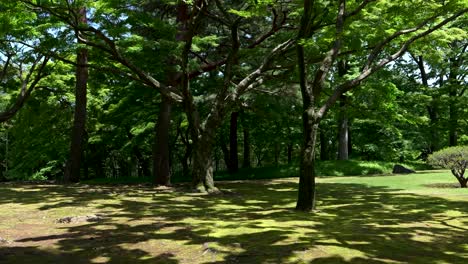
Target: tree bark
[72, 172]
[306, 194]
[233, 147]
[343, 124]
[289, 153]
[306, 190]
[202, 171]
[161, 154]
[343, 133]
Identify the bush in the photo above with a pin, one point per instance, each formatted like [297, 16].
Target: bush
[453, 158]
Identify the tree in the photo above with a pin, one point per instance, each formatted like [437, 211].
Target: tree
[453, 158]
[73, 168]
[381, 51]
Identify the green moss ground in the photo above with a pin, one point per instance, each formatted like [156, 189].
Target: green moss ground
[377, 219]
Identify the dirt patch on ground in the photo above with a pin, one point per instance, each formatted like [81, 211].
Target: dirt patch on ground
[80, 219]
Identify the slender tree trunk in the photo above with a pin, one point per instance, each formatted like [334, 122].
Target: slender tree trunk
[343, 133]
[233, 149]
[324, 152]
[187, 153]
[343, 138]
[161, 155]
[72, 172]
[246, 159]
[453, 83]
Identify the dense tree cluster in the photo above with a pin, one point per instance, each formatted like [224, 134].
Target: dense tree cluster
[134, 88]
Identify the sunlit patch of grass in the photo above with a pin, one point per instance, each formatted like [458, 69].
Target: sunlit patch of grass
[376, 219]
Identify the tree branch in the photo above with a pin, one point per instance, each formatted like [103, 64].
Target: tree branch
[367, 71]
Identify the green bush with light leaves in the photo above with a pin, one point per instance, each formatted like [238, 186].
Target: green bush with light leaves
[453, 158]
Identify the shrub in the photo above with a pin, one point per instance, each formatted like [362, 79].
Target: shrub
[453, 158]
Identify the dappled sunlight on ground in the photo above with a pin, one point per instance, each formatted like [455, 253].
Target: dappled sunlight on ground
[251, 222]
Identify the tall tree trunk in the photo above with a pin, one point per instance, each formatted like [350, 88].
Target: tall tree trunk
[343, 133]
[453, 116]
[343, 130]
[72, 172]
[246, 157]
[324, 152]
[161, 155]
[233, 149]
[306, 191]
[454, 83]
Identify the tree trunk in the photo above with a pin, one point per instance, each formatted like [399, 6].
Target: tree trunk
[233, 149]
[306, 194]
[72, 172]
[246, 159]
[343, 130]
[453, 83]
[324, 152]
[290, 150]
[453, 118]
[343, 134]
[463, 183]
[161, 155]
[202, 171]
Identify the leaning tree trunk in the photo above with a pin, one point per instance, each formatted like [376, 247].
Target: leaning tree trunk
[72, 172]
[161, 160]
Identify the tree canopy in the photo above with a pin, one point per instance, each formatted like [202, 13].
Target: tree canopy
[169, 89]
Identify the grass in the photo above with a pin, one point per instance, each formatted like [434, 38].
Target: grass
[323, 169]
[377, 219]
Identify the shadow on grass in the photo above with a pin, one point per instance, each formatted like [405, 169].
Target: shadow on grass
[250, 223]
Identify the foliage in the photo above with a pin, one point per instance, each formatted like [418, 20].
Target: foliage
[453, 158]
[250, 223]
